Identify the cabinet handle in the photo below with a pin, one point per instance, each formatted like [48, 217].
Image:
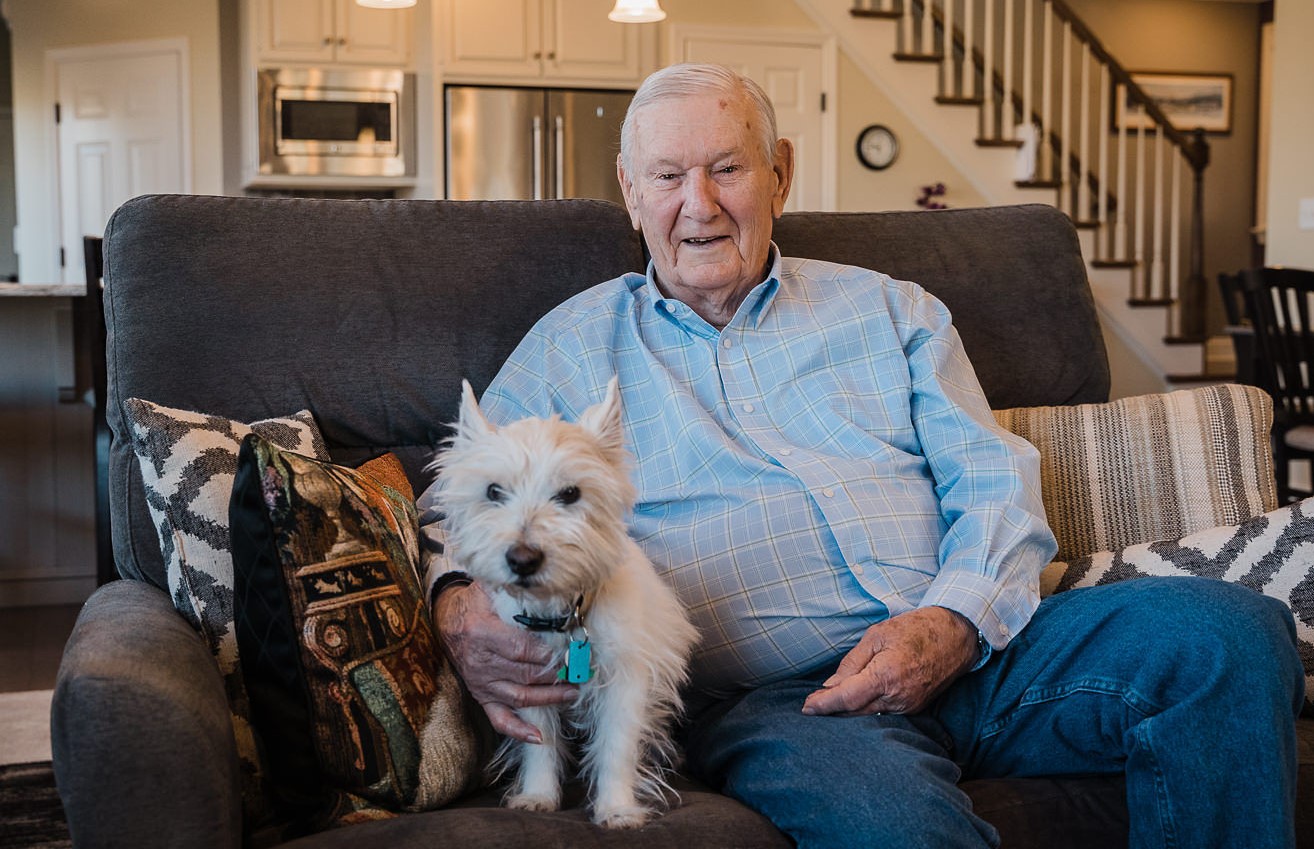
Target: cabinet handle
[538, 54]
[342, 42]
[328, 40]
[538, 158]
[552, 56]
[561, 158]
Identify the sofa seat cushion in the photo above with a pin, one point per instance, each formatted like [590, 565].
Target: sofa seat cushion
[702, 818]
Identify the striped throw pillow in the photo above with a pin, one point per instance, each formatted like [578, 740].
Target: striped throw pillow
[1150, 467]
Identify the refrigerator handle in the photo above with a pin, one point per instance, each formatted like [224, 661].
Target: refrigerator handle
[538, 158]
[561, 159]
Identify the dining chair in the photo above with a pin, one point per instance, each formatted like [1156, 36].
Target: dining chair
[1280, 302]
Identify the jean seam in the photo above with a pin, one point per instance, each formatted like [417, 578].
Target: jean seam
[1101, 686]
[1166, 825]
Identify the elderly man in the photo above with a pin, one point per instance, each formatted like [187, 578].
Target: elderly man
[821, 480]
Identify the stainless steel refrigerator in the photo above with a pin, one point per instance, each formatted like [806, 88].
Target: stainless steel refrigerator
[533, 143]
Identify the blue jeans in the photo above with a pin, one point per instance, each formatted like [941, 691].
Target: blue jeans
[1189, 686]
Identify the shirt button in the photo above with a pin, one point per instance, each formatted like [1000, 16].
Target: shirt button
[747, 408]
[828, 492]
[726, 343]
[857, 569]
[1003, 629]
[784, 452]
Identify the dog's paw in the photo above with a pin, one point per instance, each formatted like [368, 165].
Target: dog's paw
[531, 802]
[628, 816]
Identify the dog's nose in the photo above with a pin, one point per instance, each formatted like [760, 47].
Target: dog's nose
[523, 559]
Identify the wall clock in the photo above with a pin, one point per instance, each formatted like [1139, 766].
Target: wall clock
[878, 147]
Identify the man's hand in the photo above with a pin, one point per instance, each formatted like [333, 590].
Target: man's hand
[504, 667]
[900, 665]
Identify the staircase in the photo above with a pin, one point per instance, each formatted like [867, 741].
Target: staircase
[1028, 105]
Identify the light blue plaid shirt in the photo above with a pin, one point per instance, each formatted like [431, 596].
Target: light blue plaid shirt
[826, 460]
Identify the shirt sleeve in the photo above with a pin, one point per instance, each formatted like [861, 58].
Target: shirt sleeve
[987, 480]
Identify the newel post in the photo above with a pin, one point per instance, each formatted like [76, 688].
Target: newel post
[1193, 292]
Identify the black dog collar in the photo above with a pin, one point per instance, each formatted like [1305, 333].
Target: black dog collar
[558, 624]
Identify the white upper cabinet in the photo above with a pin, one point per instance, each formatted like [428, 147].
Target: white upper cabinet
[331, 32]
[544, 40]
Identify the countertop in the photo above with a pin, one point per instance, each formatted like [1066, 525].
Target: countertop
[42, 290]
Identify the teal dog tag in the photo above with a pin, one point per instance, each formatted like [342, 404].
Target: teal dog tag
[579, 656]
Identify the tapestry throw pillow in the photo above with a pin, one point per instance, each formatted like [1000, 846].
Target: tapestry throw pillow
[187, 462]
[358, 710]
[1150, 467]
[1272, 554]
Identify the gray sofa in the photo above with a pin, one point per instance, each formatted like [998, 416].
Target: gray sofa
[369, 313]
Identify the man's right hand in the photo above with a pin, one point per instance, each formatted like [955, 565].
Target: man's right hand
[504, 667]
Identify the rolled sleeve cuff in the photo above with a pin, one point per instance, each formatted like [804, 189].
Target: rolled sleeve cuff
[999, 611]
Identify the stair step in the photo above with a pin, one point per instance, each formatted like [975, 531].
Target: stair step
[998, 142]
[1183, 340]
[1113, 263]
[1038, 184]
[945, 100]
[1150, 302]
[887, 14]
[919, 57]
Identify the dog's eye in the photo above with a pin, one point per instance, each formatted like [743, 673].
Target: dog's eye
[495, 493]
[568, 495]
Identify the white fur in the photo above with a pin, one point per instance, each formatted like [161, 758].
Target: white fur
[638, 630]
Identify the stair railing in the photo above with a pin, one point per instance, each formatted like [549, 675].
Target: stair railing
[1116, 160]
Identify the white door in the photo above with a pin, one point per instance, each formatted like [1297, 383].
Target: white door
[794, 75]
[121, 134]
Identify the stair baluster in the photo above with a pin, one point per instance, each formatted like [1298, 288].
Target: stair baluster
[978, 42]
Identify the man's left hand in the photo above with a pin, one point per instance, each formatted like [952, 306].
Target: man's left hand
[900, 665]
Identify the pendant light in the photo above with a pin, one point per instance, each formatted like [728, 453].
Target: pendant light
[636, 11]
[386, 4]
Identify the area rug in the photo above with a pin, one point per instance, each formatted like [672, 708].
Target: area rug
[31, 815]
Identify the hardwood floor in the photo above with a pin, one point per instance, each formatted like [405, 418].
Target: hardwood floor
[31, 644]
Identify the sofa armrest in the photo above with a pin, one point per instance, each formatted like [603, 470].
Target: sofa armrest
[140, 729]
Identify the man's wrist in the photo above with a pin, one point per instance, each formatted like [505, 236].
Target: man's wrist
[446, 581]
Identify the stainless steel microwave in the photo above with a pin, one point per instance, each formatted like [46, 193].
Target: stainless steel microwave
[337, 122]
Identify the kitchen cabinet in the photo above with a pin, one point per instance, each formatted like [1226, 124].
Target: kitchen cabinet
[331, 32]
[568, 41]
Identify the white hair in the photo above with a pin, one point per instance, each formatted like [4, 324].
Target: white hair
[688, 79]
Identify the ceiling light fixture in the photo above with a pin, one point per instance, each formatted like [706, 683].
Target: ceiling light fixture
[386, 4]
[636, 11]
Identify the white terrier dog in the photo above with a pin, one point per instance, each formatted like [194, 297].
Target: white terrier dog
[536, 514]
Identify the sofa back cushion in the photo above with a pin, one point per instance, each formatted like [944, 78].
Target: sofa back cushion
[1012, 277]
[369, 313]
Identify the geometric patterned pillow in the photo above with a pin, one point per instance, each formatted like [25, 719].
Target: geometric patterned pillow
[1150, 467]
[1272, 554]
[359, 713]
[187, 464]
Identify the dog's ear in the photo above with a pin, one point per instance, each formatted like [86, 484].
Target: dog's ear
[471, 422]
[603, 419]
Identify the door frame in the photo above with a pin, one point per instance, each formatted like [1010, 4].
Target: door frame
[55, 58]
[678, 34]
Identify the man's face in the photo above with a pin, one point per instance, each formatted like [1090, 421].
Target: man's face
[705, 196]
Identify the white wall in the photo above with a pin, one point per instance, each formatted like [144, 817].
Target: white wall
[1291, 153]
[38, 26]
[859, 103]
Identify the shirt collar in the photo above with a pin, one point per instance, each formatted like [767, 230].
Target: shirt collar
[750, 313]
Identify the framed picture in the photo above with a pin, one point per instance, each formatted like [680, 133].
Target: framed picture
[1189, 100]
